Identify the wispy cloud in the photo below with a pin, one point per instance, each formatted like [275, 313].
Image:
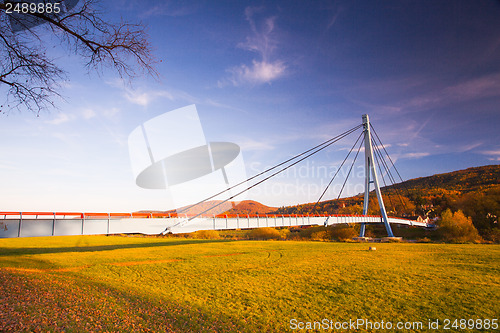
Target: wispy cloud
[485, 86]
[388, 145]
[491, 152]
[97, 111]
[416, 94]
[263, 42]
[84, 113]
[476, 88]
[88, 113]
[258, 72]
[493, 155]
[65, 137]
[335, 11]
[167, 8]
[249, 144]
[110, 112]
[469, 147]
[414, 155]
[220, 105]
[61, 118]
[145, 96]
[467, 90]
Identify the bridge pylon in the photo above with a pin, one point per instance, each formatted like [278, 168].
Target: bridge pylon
[371, 177]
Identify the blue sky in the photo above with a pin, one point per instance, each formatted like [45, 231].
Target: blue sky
[276, 78]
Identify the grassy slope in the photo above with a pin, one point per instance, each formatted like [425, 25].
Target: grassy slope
[98, 283]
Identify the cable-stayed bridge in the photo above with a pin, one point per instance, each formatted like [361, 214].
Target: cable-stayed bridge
[33, 224]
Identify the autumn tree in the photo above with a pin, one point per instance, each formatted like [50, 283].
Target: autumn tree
[456, 227]
[31, 78]
[394, 204]
[483, 208]
[351, 210]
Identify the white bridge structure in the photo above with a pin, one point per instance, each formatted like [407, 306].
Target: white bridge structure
[34, 224]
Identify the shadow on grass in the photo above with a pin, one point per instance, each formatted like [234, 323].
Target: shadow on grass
[80, 304]
[46, 250]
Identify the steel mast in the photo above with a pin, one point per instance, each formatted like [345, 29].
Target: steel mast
[371, 170]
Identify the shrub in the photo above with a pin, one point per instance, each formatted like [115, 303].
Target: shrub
[206, 234]
[307, 232]
[495, 235]
[284, 233]
[457, 228]
[424, 240]
[492, 235]
[395, 240]
[320, 235]
[343, 233]
[264, 233]
[295, 236]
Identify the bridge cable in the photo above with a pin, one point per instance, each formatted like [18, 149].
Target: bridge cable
[348, 174]
[330, 142]
[387, 168]
[268, 177]
[401, 178]
[327, 143]
[377, 153]
[399, 193]
[389, 174]
[341, 165]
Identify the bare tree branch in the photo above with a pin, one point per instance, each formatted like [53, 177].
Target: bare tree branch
[32, 79]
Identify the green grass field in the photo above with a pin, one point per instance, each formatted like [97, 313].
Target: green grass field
[98, 283]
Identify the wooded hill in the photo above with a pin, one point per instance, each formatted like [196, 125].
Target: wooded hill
[468, 180]
[231, 207]
[475, 191]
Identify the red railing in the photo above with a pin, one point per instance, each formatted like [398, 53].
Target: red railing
[166, 215]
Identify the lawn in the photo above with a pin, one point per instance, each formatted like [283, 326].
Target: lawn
[99, 283]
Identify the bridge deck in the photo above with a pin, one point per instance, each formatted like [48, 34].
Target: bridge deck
[15, 224]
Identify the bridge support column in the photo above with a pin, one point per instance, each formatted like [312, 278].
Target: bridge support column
[362, 229]
[371, 172]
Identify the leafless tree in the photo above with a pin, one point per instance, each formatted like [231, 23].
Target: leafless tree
[32, 79]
